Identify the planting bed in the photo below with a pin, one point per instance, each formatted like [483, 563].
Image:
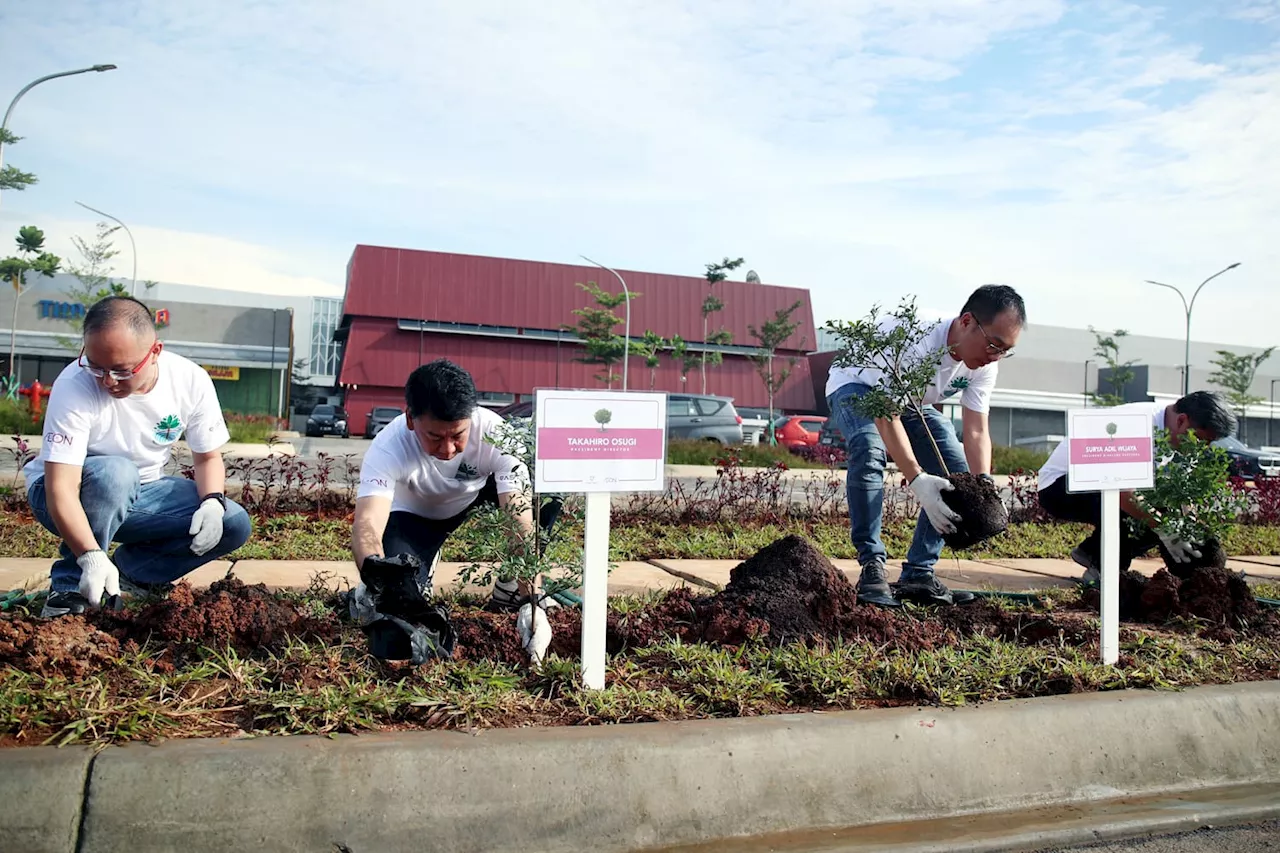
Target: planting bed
[785, 635]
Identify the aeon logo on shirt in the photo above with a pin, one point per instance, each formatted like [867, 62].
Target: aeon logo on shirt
[58, 438]
[380, 483]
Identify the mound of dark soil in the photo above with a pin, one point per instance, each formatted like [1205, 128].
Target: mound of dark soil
[1214, 595]
[981, 510]
[68, 646]
[228, 613]
[1212, 556]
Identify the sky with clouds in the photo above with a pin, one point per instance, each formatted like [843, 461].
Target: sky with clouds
[863, 149]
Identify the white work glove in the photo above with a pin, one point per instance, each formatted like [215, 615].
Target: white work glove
[206, 526]
[1181, 552]
[97, 575]
[928, 490]
[535, 632]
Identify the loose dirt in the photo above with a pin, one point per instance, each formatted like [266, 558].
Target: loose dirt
[1218, 597]
[981, 509]
[69, 646]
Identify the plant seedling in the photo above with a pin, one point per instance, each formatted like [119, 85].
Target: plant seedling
[890, 347]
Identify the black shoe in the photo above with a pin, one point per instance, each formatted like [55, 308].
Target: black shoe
[925, 588]
[63, 604]
[873, 586]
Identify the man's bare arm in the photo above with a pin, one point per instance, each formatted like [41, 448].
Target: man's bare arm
[367, 528]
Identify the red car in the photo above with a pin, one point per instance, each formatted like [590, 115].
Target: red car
[796, 431]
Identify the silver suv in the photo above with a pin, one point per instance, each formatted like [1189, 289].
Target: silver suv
[703, 417]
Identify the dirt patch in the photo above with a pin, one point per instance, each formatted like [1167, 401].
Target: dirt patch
[228, 613]
[489, 636]
[69, 646]
[1216, 596]
[1212, 556]
[981, 509]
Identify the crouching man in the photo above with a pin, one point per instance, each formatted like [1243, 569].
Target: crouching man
[430, 468]
[1204, 413]
[113, 418]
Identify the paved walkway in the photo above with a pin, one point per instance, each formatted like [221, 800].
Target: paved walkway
[634, 578]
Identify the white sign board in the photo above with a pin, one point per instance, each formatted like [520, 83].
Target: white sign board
[1109, 450]
[600, 441]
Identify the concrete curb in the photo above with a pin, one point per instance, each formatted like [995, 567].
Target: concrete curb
[615, 788]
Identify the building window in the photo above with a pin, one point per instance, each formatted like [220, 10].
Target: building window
[325, 314]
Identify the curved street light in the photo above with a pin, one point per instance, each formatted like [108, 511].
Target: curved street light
[1188, 307]
[133, 290]
[27, 88]
[626, 341]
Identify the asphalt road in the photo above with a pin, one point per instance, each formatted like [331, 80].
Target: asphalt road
[1258, 838]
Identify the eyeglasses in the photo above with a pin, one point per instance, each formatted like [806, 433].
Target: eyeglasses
[116, 375]
[993, 347]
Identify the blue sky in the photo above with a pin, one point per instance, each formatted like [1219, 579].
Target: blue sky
[864, 149]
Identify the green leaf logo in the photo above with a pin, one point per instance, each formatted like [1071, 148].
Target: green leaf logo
[1111, 429]
[465, 472]
[168, 430]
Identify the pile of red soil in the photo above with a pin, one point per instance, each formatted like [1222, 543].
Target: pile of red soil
[69, 646]
[228, 613]
[488, 636]
[981, 510]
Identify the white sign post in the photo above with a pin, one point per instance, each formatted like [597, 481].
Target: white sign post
[1110, 452]
[598, 442]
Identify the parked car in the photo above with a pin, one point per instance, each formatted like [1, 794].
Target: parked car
[796, 431]
[327, 420]
[1249, 462]
[755, 424]
[377, 418]
[703, 418]
[516, 410]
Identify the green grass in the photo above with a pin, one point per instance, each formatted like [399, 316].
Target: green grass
[329, 688]
[15, 418]
[1006, 460]
[691, 452]
[250, 429]
[296, 537]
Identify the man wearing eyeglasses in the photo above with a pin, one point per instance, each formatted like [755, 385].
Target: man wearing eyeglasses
[985, 331]
[113, 418]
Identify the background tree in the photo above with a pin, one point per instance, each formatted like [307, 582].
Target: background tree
[771, 335]
[31, 258]
[93, 277]
[684, 360]
[1236, 373]
[716, 273]
[10, 177]
[650, 348]
[1107, 348]
[604, 346]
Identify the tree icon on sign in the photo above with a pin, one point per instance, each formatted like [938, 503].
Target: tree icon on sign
[1111, 429]
[603, 416]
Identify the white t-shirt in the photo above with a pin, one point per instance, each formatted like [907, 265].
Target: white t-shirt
[395, 466]
[1055, 468]
[84, 420]
[973, 386]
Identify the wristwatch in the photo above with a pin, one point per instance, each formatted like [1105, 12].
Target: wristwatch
[216, 496]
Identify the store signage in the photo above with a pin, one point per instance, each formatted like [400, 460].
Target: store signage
[52, 309]
[231, 374]
[1109, 451]
[600, 441]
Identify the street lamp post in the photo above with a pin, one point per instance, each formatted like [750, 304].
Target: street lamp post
[1085, 392]
[1188, 307]
[133, 290]
[626, 341]
[27, 88]
[1271, 415]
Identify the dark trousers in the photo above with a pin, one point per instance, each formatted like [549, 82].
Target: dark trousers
[1086, 508]
[409, 533]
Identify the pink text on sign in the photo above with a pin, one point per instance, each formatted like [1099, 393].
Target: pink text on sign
[1098, 451]
[587, 443]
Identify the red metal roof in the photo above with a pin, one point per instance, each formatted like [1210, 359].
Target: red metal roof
[419, 285]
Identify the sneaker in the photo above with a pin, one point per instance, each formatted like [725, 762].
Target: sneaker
[925, 588]
[1092, 574]
[505, 597]
[64, 603]
[134, 589]
[873, 586]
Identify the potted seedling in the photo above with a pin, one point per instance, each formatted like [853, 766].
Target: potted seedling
[889, 345]
[1192, 500]
[544, 567]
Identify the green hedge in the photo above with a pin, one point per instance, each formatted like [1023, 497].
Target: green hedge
[15, 418]
[1006, 460]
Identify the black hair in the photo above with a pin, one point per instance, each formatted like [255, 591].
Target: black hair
[991, 300]
[113, 310]
[1209, 411]
[440, 390]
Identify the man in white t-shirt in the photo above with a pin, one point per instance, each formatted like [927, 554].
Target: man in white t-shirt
[1206, 414]
[428, 469]
[113, 417]
[985, 331]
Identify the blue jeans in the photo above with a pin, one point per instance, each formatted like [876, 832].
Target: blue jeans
[865, 485]
[150, 522]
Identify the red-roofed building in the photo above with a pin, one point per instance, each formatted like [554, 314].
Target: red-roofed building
[503, 321]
